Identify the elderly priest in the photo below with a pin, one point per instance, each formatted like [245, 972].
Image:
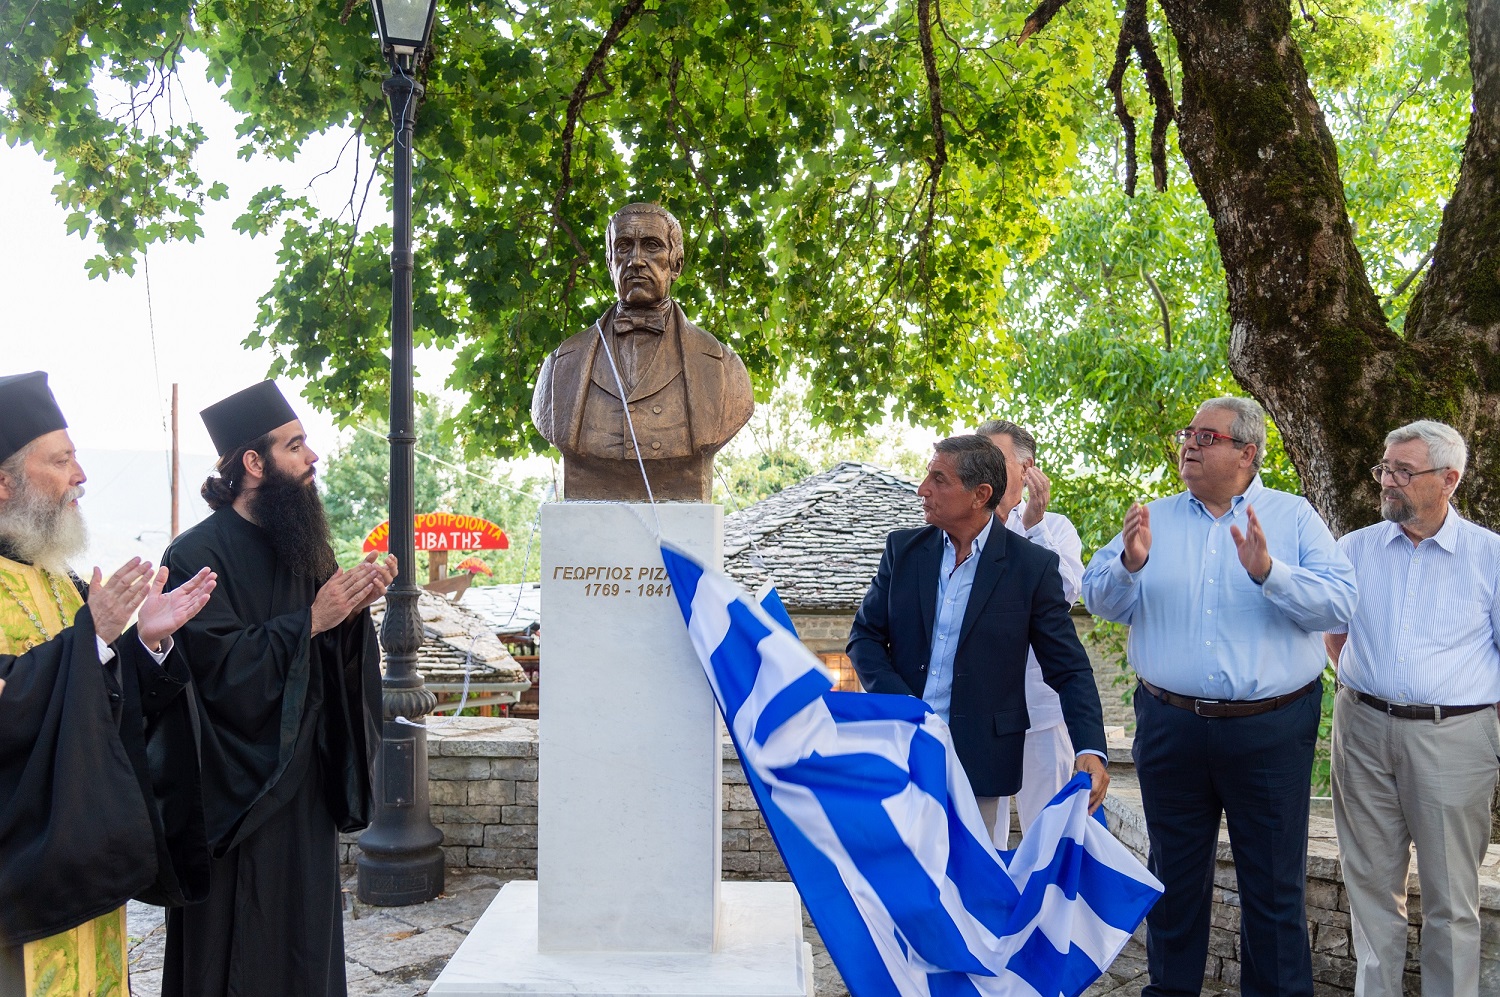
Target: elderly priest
[287, 675]
[99, 798]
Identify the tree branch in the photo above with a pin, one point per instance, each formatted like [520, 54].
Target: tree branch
[1115, 85]
[1416, 271]
[939, 156]
[1161, 302]
[1156, 85]
[575, 108]
[1038, 18]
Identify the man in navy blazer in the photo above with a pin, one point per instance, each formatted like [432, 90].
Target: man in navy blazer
[949, 617]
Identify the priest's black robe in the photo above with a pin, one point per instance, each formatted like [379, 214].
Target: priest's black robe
[99, 792]
[291, 725]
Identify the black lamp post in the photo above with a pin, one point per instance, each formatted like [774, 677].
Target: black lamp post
[401, 858]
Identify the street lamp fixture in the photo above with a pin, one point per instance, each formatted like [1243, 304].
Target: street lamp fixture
[405, 26]
[401, 855]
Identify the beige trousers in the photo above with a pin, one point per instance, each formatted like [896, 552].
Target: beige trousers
[1402, 782]
[1046, 766]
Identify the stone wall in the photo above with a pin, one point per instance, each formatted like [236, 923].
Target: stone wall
[482, 785]
[824, 628]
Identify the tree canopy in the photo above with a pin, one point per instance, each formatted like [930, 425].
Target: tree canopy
[904, 203]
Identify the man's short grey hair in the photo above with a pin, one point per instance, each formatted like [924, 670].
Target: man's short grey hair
[1022, 442]
[1249, 424]
[674, 227]
[979, 462]
[1445, 446]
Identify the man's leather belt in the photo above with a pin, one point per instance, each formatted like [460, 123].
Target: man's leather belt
[1406, 712]
[1227, 707]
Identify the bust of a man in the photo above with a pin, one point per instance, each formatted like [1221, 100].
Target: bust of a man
[642, 385]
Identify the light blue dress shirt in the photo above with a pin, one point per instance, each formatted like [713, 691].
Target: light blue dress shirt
[1428, 615]
[952, 599]
[1199, 625]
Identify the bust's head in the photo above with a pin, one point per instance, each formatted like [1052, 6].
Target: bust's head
[643, 247]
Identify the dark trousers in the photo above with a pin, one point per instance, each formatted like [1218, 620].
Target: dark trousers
[1257, 772]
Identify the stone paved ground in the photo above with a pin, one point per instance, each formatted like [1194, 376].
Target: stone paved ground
[398, 951]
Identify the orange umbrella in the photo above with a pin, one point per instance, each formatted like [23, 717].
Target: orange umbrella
[473, 566]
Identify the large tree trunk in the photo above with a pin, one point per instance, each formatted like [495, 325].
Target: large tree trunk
[1309, 338]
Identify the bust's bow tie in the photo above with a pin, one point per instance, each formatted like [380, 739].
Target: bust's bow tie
[642, 319]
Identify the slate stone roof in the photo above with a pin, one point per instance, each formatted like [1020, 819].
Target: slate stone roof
[821, 539]
[449, 630]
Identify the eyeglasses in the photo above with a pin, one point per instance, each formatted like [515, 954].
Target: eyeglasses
[1400, 476]
[1203, 437]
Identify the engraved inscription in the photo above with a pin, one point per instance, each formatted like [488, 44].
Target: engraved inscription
[613, 581]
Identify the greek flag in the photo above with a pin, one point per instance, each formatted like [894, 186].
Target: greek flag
[879, 829]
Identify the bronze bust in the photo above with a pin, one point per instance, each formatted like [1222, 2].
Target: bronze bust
[687, 393]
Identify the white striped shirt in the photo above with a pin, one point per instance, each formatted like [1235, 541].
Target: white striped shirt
[1428, 617]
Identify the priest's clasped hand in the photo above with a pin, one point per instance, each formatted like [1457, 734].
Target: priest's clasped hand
[162, 613]
[349, 592]
[384, 575]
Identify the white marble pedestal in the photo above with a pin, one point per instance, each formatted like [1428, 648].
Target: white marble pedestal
[628, 899]
[760, 954]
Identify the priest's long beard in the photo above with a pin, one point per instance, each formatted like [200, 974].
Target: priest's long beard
[38, 530]
[291, 511]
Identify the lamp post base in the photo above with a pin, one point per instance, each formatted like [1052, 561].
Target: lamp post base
[400, 880]
[401, 855]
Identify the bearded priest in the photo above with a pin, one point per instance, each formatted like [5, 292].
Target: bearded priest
[287, 674]
[98, 768]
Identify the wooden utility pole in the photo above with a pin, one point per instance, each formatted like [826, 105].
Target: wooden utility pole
[176, 463]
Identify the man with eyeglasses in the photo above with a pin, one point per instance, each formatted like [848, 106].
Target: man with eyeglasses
[1415, 735]
[1227, 588]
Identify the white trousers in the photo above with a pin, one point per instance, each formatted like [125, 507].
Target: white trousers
[1046, 766]
[1402, 782]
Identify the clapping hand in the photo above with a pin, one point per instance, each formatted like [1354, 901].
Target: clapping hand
[1038, 494]
[1136, 537]
[349, 592]
[1252, 546]
[112, 603]
[383, 573]
[162, 613]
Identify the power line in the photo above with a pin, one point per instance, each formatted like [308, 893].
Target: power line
[457, 467]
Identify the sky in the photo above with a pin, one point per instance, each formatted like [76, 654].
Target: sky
[112, 349]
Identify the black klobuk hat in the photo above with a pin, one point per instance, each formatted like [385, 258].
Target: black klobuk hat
[27, 410]
[246, 416]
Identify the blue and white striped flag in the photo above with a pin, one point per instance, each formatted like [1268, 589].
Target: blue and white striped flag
[878, 825]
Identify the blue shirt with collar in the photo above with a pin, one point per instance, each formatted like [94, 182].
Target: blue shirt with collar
[1199, 624]
[954, 585]
[1428, 618]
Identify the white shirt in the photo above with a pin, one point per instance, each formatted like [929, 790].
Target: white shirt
[1056, 533]
[1428, 615]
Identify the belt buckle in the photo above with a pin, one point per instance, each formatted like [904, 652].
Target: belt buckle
[1199, 703]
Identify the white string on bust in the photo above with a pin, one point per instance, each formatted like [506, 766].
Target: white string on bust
[629, 423]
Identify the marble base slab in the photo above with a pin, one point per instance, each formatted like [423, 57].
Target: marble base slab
[760, 953]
